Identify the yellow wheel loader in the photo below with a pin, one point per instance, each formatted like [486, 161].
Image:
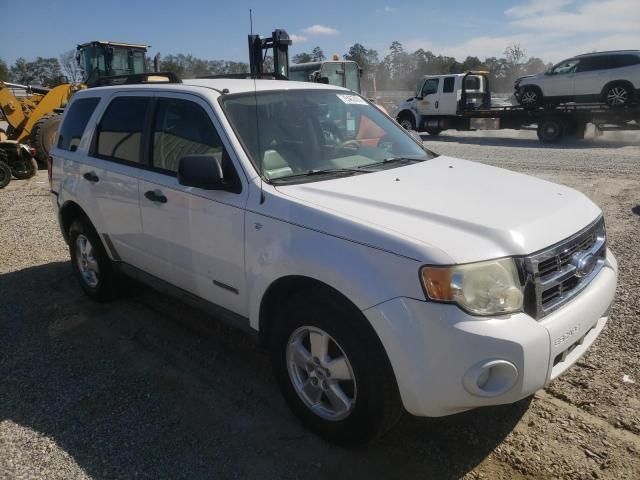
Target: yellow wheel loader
[33, 119]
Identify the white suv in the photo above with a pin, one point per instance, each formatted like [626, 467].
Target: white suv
[610, 77]
[379, 274]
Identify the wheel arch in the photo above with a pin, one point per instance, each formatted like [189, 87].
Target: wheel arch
[284, 287]
[69, 212]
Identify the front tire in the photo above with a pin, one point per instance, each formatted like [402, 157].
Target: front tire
[618, 95]
[530, 97]
[91, 264]
[407, 121]
[332, 369]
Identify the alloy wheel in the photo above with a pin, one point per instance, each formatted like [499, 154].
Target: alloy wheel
[87, 262]
[617, 96]
[321, 373]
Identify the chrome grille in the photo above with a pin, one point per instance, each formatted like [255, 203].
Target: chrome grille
[558, 273]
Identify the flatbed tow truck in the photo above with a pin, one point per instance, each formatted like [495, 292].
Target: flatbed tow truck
[463, 102]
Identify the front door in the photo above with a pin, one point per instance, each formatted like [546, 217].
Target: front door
[194, 237]
[430, 97]
[560, 81]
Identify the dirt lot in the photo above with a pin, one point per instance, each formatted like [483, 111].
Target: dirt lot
[145, 387]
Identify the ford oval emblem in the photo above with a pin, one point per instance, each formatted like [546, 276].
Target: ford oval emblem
[584, 264]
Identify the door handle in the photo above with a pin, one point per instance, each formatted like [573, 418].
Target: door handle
[436, 103]
[91, 177]
[155, 196]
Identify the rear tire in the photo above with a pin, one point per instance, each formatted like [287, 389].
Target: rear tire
[618, 95]
[91, 264]
[372, 403]
[5, 171]
[550, 130]
[434, 132]
[43, 137]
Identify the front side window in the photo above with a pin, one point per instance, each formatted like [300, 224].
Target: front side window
[75, 122]
[430, 86]
[568, 66]
[119, 134]
[182, 128]
[301, 135]
[334, 72]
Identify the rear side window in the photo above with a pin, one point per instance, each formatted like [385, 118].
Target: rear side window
[601, 62]
[627, 60]
[75, 122]
[449, 82]
[472, 83]
[182, 128]
[120, 130]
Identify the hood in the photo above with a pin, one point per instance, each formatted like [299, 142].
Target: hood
[465, 209]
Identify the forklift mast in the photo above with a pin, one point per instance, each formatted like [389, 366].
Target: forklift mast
[279, 42]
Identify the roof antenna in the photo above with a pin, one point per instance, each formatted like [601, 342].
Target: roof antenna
[255, 96]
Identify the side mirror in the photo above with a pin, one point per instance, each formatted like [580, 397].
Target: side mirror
[419, 97]
[324, 80]
[201, 171]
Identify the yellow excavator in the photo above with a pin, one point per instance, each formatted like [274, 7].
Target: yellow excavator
[33, 119]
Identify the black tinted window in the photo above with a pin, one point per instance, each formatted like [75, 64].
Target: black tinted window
[627, 60]
[449, 82]
[590, 64]
[75, 122]
[182, 128]
[120, 130]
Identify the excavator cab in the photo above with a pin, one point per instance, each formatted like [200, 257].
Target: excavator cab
[100, 59]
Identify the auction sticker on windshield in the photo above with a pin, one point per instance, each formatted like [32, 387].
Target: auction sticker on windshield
[352, 99]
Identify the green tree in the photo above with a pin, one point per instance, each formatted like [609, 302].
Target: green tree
[364, 57]
[317, 55]
[4, 71]
[43, 71]
[303, 57]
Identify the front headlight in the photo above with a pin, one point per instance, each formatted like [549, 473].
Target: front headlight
[484, 288]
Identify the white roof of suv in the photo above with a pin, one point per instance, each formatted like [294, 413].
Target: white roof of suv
[233, 85]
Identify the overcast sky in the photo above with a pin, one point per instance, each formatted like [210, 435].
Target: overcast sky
[550, 29]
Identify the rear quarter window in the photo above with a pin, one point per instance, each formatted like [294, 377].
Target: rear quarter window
[75, 123]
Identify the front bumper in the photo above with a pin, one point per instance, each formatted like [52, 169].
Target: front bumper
[436, 348]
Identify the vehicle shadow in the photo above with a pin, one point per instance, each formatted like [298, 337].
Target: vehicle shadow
[148, 386]
[520, 141]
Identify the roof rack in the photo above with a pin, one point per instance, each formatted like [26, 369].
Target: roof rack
[246, 75]
[138, 78]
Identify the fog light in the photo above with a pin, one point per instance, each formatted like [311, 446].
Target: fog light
[490, 378]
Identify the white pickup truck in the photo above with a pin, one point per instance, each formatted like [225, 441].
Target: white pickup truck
[380, 275]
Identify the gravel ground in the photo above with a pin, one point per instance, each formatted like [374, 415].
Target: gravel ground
[150, 388]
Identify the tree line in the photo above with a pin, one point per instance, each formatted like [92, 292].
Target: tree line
[398, 70]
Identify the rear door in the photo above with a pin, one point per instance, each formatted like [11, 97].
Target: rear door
[592, 75]
[112, 171]
[430, 94]
[194, 238]
[448, 101]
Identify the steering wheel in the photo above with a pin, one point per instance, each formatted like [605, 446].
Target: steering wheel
[351, 144]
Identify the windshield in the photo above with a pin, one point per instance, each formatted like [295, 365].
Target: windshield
[303, 132]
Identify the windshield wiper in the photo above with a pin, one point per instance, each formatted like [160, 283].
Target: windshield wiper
[324, 171]
[387, 161]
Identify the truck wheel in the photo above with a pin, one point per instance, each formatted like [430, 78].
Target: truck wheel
[618, 95]
[25, 169]
[5, 171]
[90, 261]
[550, 130]
[434, 132]
[407, 121]
[530, 97]
[43, 135]
[333, 370]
